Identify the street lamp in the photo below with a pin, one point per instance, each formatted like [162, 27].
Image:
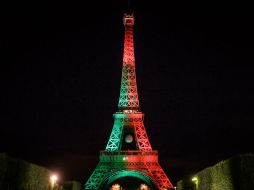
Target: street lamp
[195, 181]
[53, 180]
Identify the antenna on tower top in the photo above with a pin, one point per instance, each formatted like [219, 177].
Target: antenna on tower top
[129, 8]
[129, 3]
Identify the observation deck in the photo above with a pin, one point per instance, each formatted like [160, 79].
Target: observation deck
[130, 156]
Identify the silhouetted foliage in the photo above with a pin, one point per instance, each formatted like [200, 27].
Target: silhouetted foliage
[18, 174]
[236, 173]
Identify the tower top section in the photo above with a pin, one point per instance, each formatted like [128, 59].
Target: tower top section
[128, 100]
[128, 19]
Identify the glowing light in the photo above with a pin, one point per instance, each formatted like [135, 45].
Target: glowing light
[115, 187]
[53, 180]
[195, 180]
[144, 187]
[128, 138]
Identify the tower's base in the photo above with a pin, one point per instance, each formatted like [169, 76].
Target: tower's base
[120, 164]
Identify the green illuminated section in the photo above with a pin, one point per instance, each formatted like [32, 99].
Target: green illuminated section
[115, 139]
[114, 142]
[129, 173]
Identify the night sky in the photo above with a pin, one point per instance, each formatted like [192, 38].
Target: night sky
[61, 70]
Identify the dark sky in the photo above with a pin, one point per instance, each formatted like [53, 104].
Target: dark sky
[60, 80]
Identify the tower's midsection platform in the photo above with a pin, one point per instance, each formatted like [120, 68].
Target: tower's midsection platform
[129, 156]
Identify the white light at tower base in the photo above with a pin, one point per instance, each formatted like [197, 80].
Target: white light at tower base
[144, 187]
[116, 187]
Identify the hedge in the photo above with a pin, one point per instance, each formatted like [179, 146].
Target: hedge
[18, 174]
[236, 173]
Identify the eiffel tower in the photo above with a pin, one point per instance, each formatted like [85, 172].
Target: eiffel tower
[128, 153]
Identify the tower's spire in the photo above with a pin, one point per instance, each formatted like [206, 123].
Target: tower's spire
[128, 94]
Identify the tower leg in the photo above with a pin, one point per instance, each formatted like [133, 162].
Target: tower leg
[96, 178]
[158, 175]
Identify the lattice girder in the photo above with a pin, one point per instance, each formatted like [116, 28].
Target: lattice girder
[114, 142]
[158, 175]
[97, 177]
[128, 93]
[123, 120]
[141, 136]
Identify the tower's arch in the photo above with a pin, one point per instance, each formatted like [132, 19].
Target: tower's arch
[127, 176]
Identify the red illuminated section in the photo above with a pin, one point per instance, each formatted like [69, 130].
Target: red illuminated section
[128, 99]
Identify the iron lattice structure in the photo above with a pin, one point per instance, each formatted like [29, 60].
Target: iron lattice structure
[128, 148]
[128, 94]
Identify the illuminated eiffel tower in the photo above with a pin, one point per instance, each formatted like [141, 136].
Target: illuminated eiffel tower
[128, 152]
